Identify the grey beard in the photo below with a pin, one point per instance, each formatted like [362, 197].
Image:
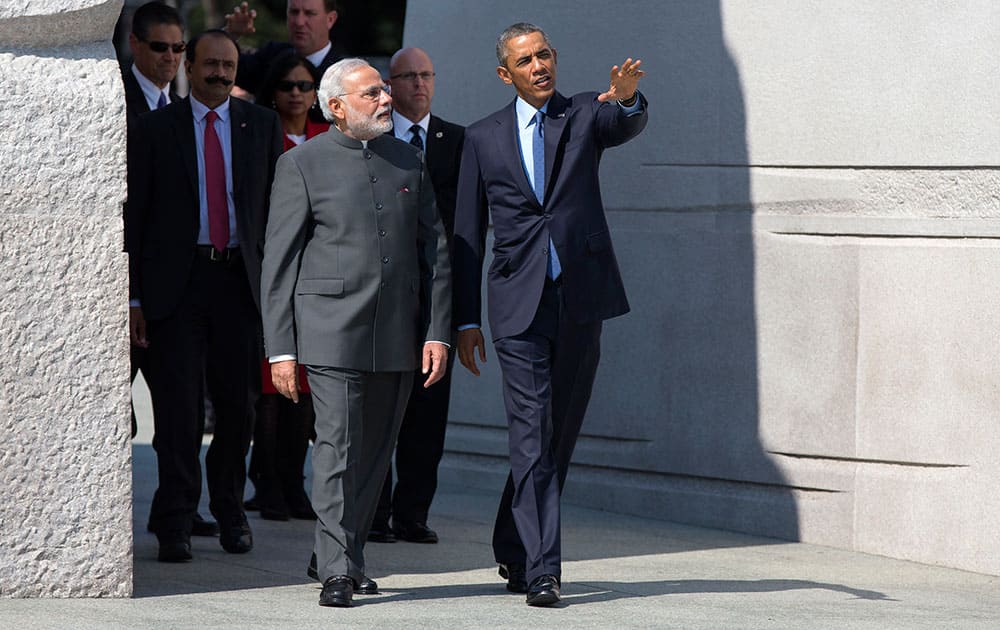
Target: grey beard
[366, 128]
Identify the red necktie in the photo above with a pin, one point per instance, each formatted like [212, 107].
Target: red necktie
[215, 186]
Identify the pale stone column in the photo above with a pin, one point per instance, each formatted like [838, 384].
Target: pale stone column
[65, 456]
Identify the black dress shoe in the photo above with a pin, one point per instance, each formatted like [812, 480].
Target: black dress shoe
[235, 535]
[367, 586]
[414, 532]
[174, 547]
[381, 533]
[337, 591]
[544, 591]
[514, 574]
[202, 527]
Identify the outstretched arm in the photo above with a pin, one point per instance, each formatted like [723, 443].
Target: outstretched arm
[240, 21]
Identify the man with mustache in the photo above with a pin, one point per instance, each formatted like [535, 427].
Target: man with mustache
[533, 168]
[356, 286]
[309, 23]
[199, 182]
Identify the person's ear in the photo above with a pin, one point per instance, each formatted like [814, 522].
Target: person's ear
[504, 75]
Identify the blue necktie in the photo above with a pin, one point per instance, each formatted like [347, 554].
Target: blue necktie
[162, 102]
[416, 140]
[538, 169]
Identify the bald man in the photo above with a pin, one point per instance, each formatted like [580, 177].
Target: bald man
[421, 437]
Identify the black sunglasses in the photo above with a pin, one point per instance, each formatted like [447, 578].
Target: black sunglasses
[162, 47]
[287, 86]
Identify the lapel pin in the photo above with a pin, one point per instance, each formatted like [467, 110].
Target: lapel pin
[439, 134]
[243, 125]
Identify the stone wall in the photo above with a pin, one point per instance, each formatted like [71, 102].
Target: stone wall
[808, 230]
[65, 476]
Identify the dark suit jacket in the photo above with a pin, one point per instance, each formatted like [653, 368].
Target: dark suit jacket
[356, 270]
[253, 67]
[135, 100]
[492, 179]
[444, 157]
[163, 210]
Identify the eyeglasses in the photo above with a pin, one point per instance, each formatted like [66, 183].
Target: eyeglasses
[373, 93]
[412, 76]
[162, 47]
[288, 86]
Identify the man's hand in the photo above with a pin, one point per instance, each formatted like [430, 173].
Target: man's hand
[623, 81]
[285, 377]
[240, 21]
[468, 341]
[137, 327]
[435, 362]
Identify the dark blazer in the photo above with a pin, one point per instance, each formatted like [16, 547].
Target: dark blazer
[492, 179]
[444, 157]
[163, 210]
[253, 67]
[356, 270]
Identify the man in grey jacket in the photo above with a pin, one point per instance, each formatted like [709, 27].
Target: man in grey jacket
[356, 286]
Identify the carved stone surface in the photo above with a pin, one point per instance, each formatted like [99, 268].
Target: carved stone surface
[65, 456]
[808, 234]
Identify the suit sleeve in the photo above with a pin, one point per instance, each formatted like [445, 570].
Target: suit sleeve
[285, 238]
[615, 126]
[432, 243]
[471, 221]
[139, 174]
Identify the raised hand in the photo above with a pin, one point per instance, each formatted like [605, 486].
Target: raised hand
[623, 81]
[240, 21]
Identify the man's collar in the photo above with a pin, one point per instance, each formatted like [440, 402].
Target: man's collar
[200, 110]
[317, 57]
[525, 111]
[149, 89]
[401, 124]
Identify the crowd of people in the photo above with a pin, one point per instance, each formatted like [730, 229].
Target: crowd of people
[306, 258]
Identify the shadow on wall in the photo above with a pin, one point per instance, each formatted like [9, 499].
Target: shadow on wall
[673, 427]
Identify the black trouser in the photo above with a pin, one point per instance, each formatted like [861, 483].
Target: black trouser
[548, 372]
[418, 452]
[215, 331]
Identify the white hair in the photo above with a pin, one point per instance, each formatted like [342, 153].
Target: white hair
[332, 83]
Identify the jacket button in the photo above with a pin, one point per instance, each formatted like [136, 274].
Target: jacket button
[378, 206]
[385, 260]
[373, 179]
[545, 250]
[368, 155]
[381, 232]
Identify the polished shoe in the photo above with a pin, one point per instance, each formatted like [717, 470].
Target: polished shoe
[381, 533]
[414, 532]
[235, 535]
[514, 574]
[174, 547]
[202, 527]
[544, 591]
[367, 586]
[337, 591]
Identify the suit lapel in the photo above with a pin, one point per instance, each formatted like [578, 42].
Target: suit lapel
[242, 148]
[555, 129]
[184, 132]
[509, 150]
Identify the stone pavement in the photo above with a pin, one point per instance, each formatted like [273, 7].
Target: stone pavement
[619, 572]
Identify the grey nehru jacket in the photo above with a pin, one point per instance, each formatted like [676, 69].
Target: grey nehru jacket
[356, 271]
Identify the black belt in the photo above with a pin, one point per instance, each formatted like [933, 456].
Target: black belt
[208, 252]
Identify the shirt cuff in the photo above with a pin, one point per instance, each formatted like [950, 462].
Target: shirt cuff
[446, 345]
[468, 327]
[135, 303]
[634, 107]
[281, 357]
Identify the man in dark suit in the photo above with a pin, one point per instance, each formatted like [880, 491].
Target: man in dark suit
[157, 44]
[198, 201]
[309, 23]
[421, 437]
[533, 166]
[356, 286]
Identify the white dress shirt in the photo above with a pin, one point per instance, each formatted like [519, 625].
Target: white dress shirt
[149, 89]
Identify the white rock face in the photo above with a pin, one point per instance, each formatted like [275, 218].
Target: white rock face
[807, 229]
[65, 456]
